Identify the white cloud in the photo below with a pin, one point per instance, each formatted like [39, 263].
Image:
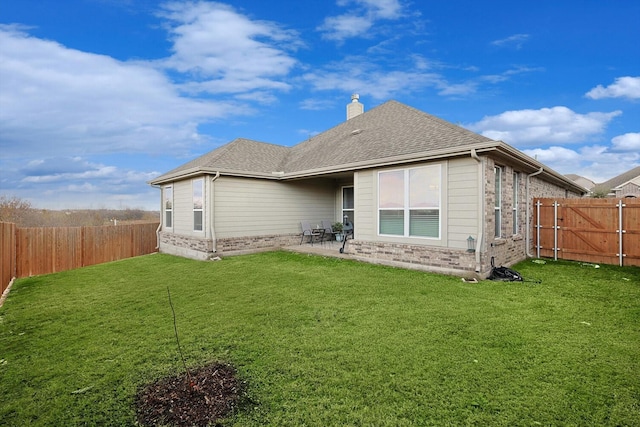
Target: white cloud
[345, 26]
[64, 169]
[367, 79]
[61, 101]
[316, 104]
[65, 182]
[358, 22]
[447, 89]
[82, 188]
[623, 87]
[387, 9]
[543, 126]
[516, 41]
[555, 155]
[224, 51]
[596, 162]
[85, 103]
[627, 142]
[374, 77]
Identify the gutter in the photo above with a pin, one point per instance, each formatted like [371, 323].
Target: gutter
[480, 213]
[198, 171]
[528, 216]
[212, 231]
[388, 161]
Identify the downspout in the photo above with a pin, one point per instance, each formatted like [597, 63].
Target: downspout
[212, 230]
[477, 158]
[528, 216]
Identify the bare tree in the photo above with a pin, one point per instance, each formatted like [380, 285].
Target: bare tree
[13, 209]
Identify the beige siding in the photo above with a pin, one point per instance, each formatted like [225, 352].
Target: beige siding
[255, 207]
[365, 205]
[183, 208]
[462, 201]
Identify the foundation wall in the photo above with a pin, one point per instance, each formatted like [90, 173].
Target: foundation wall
[444, 260]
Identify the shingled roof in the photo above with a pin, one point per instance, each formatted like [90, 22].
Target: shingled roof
[390, 130]
[239, 156]
[622, 178]
[607, 186]
[392, 133]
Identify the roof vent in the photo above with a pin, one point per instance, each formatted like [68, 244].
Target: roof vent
[354, 108]
[355, 132]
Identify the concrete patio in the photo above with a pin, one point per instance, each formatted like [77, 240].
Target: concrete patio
[326, 248]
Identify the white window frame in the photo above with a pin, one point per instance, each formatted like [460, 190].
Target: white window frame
[347, 210]
[497, 172]
[407, 208]
[198, 209]
[516, 192]
[167, 208]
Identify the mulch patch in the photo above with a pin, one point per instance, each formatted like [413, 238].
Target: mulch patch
[213, 394]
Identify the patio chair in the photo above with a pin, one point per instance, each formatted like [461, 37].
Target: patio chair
[307, 230]
[328, 229]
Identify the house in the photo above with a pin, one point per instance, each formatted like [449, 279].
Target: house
[624, 185]
[420, 191]
[581, 181]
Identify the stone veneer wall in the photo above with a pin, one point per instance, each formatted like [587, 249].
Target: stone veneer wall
[187, 246]
[511, 248]
[454, 261]
[505, 251]
[237, 245]
[193, 247]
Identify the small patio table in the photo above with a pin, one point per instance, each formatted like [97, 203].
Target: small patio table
[320, 233]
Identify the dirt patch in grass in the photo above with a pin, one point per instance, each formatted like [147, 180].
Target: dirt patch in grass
[214, 392]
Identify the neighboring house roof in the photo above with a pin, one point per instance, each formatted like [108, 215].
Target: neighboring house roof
[581, 180]
[392, 133]
[622, 178]
[635, 181]
[618, 180]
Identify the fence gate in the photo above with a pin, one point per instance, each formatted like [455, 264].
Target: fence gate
[593, 230]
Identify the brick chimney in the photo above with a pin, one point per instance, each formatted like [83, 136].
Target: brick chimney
[354, 108]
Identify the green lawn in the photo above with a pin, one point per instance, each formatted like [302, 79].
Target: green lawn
[327, 342]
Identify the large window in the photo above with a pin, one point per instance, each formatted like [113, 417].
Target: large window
[497, 170]
[198, 192]
[347, 203]
[409, 202]
[168, 206]
[516, 182]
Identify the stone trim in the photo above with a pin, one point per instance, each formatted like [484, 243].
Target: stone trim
[248, 244]
[190, 242]
[186, 246]
[453, 261]
[199, 248]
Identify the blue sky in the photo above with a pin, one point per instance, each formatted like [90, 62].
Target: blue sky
[99, 96]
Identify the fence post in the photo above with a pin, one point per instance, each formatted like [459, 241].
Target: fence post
[620, 231]
[83, 245]
[555, 230]
[538, 244]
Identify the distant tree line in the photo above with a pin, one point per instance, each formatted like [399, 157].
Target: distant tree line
[21, 212]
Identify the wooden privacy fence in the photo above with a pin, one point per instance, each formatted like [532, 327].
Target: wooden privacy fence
[593, 230]
[45, 250]
[7, 254]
